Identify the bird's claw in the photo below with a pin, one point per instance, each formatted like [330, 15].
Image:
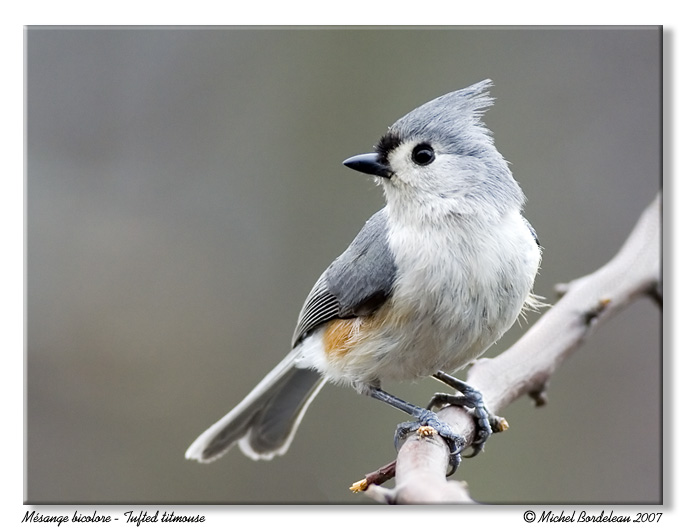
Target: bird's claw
[428, 419]
[471, 399]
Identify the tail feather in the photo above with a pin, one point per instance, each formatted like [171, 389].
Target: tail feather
[265, 421]
[273, 429]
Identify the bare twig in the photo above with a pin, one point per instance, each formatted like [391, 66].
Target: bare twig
[527, 366]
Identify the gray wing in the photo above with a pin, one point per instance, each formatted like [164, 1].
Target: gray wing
[357, 283]
[532, 232]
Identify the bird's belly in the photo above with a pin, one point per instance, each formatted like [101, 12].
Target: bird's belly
[402, 342]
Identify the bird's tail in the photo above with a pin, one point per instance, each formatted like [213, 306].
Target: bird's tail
[265, 421]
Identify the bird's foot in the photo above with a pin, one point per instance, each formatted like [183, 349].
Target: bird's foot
[472, 400]
[427, 423]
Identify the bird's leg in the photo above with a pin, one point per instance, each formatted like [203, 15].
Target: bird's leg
[486, 422]
[424, 417]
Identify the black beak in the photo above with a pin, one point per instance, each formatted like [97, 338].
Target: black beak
[369, 164]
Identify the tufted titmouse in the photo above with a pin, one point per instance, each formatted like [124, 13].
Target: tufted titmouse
[431, 281]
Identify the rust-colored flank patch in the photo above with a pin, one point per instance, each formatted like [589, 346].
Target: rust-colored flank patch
[338, 337]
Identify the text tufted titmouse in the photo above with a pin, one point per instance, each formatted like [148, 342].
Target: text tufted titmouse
[431, 281]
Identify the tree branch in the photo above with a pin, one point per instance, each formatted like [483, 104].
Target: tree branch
[527, 366]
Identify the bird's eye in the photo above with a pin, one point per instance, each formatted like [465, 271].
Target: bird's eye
[423, 154]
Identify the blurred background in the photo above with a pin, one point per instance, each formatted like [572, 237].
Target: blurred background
[184, 186]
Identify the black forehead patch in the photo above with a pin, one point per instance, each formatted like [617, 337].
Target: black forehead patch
[387, 144]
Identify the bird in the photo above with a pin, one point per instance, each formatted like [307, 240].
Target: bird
[431, 281]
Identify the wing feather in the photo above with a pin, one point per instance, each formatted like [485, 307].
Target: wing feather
[357, 283]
